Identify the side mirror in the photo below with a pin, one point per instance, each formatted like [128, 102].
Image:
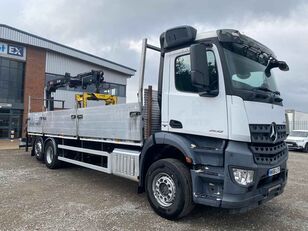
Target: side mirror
[283, 66]
[273, 63]
[199, 69]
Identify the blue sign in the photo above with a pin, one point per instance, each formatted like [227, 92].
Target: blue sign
[12, 51]
[3, 48]
[15, 50]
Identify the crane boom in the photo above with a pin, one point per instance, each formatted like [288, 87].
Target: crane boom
[93, 77]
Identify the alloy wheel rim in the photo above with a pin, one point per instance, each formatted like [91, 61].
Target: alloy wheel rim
[49, 155]
[38, 148]
[164, 189]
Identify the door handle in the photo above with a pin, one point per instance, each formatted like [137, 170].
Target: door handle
[134, 114]
[175, 124]
[73, 117]
[79, 116]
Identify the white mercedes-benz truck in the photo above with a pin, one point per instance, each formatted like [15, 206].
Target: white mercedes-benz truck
[212, 134]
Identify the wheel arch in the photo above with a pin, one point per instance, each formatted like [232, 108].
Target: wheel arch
[52, 140]
[163, 145]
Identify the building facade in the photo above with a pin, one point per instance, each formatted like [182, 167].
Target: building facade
[28, 61]
[296, 120]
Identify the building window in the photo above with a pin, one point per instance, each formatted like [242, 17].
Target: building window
[114, 89]
[11, 81]
[108, 88]
[183, 71]
[10, 123]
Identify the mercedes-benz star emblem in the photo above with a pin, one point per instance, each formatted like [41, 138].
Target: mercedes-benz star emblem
[273, 132]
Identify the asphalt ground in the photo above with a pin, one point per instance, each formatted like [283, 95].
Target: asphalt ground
[33, 197]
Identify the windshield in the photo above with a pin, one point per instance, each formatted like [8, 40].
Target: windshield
[247, 74]
[299, 134]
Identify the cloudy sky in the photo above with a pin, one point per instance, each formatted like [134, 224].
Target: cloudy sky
[113, 30]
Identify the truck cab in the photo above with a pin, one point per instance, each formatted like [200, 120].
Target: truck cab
[221, 109]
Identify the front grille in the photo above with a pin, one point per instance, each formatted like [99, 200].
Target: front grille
[261, 133]
[265, 149]
[270, 154]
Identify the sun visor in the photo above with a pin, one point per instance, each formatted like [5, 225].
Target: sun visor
[235, 37]
[177, 36]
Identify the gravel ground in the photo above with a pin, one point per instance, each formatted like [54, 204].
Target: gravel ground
[33, 197]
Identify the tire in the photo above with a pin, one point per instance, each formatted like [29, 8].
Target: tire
[51, 156]
[38, 148]
[169, 188]
[306, 148]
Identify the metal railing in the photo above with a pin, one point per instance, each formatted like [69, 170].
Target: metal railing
[298, 125]
[44, 100]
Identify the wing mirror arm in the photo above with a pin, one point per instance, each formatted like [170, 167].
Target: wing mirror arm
[273, 63]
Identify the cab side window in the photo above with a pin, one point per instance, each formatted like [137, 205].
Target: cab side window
[183, 72]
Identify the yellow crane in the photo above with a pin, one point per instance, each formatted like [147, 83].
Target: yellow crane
[82, 99]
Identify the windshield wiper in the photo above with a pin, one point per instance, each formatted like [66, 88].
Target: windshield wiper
[276, 93]
[268, 90]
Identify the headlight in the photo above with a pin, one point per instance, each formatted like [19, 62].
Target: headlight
[242, 176]
[301, 141]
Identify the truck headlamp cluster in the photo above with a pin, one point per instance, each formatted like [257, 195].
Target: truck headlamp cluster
[242, 176]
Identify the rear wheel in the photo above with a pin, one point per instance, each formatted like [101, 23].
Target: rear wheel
[51, 156]
[169, 188]
[39, 148]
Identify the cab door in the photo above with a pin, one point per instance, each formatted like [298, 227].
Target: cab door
[188, 112]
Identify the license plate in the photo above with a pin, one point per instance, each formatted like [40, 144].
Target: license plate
[274, 171]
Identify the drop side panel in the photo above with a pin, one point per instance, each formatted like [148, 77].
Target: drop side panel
[122, 121]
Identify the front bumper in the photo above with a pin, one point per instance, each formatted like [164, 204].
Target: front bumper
[214, 186]
[250, 200]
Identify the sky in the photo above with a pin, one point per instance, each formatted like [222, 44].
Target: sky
[113, 29]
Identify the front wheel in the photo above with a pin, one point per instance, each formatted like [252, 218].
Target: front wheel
[169, 188]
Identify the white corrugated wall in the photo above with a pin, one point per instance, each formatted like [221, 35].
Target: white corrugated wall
[59, 64]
